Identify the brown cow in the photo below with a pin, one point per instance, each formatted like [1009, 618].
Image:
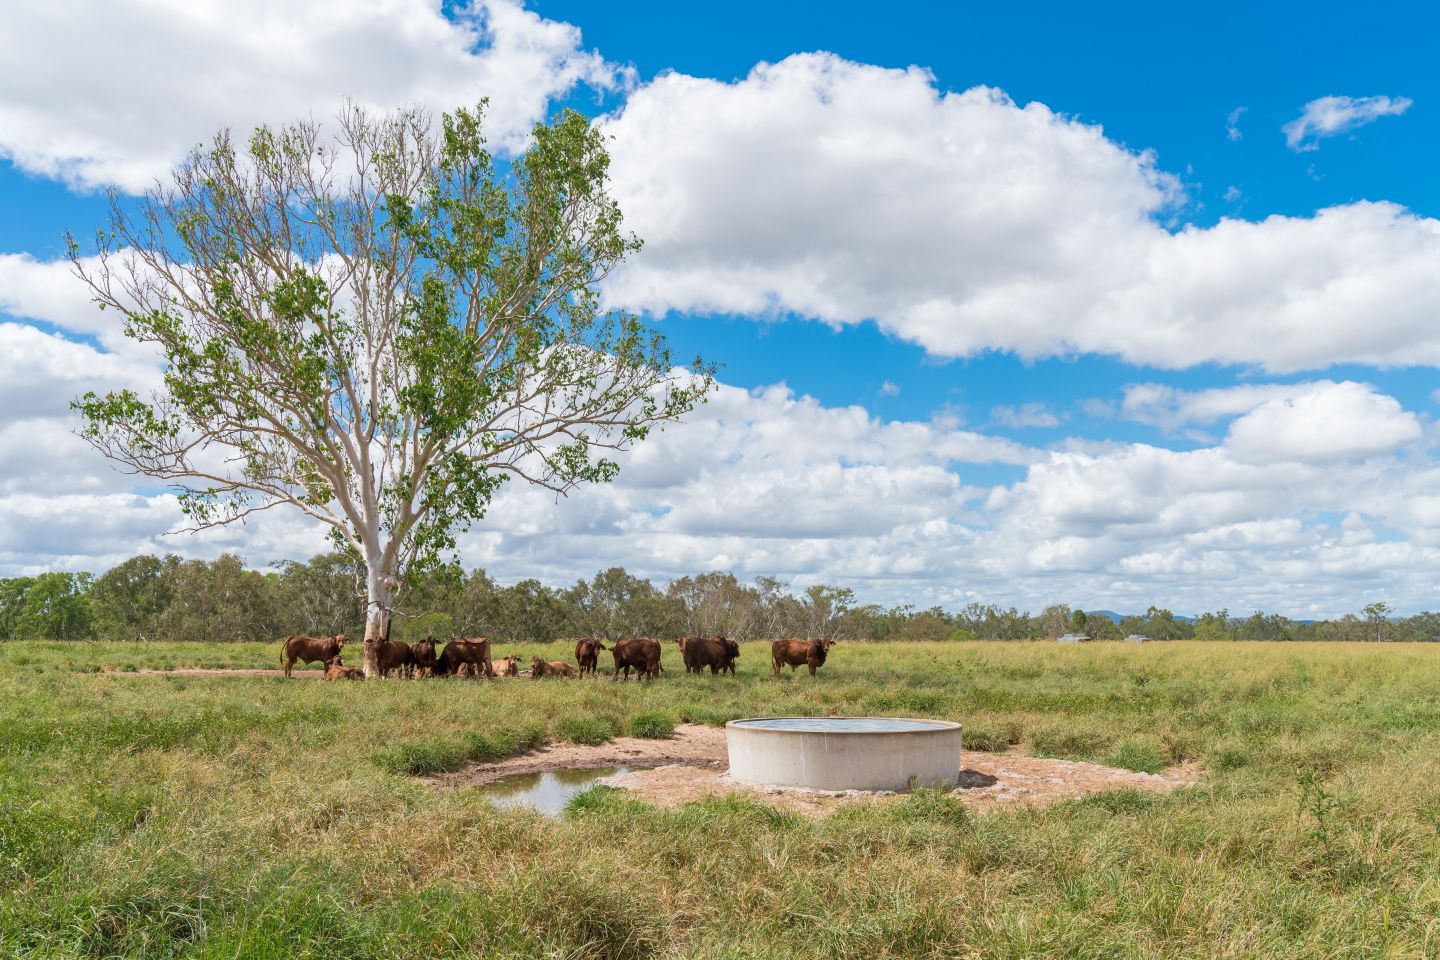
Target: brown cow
[642, 653]
[336, 670]
[550, 668]
[717, 653]
[422, 658]
[811, 653]
[732, 653]
[507, 666]
[587, 654]
[310, 650]
[472, 650]
[393, 655]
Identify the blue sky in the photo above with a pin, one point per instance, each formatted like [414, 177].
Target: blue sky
[1102, 335]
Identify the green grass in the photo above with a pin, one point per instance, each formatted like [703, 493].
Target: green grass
[198, 816]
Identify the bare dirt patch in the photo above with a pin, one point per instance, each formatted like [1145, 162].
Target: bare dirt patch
[693, 745]
[692, 765]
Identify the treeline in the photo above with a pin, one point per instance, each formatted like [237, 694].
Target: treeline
[149, 598]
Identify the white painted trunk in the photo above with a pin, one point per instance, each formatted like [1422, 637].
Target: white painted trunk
[379, 593]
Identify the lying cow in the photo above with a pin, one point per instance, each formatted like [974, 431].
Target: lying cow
[474, 651]
[338, 671]
[310, 650]
[507, 666]
[717, 653]
[550, 668]
[422, 658]
[810, 653]
[587, 654]
[642, 653]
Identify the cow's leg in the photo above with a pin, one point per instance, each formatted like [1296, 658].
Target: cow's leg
[289, 663]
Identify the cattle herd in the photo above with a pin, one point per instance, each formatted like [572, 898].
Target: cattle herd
[471, 656]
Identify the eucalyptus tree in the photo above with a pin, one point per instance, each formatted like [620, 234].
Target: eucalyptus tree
[377, 327]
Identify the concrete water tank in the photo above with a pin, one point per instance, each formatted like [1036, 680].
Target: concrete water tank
[844, 753]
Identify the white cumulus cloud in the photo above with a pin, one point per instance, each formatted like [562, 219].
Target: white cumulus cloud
[1323, 422]
[99, 93]
[1328, 116]
[965, 222]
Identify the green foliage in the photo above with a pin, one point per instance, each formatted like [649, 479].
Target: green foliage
[585, 729]
[52, 606]
[652, 725]
[382, 343]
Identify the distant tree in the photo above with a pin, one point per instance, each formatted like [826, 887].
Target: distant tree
[1378, 614]
[377, 329]
[219, 601]
[825, 608]
[716, 603]
[129, 600]
[318, 597]
[1055, 620]
[54, 606]
[1078, 620]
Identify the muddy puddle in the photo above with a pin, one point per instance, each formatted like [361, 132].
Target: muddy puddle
[547, 791]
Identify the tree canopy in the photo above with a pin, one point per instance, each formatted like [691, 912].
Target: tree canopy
[378, 327]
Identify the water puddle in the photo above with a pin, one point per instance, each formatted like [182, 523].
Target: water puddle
[547, 792]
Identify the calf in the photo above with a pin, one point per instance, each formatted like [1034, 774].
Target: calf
[550, 668]
[310, 650]
[338, 671]
[811, 653]
[422, 658]
[472, 650]
[507, 666]
[642, 653]
[587, 654]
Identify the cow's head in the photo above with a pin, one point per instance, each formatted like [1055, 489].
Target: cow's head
[340, 640]
[537, 667]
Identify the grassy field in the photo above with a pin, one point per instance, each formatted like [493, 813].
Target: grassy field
[164, 816]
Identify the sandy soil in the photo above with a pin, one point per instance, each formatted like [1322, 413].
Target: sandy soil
[691, 765]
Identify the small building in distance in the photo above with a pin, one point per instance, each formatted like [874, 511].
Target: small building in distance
[1075, 638]
[1137, 638]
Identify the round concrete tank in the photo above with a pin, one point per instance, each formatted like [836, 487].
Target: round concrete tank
[844, 753]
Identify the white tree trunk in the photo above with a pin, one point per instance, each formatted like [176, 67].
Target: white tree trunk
[380, 592]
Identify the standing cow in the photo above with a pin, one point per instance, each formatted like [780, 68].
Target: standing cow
[717, 653]
[422, 658]
[642, 653]
[811, 653]
[310, 650]
[474, 651]
[394, 656]
[587, 654]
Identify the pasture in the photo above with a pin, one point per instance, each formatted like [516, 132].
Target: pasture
[250, 816]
